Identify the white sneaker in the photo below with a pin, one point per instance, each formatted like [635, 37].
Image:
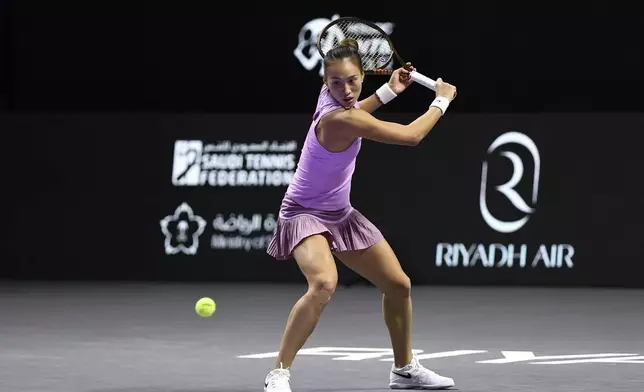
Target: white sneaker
[278, 380]
[415, 376]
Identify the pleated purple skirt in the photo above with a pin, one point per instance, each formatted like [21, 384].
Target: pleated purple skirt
[346, 229]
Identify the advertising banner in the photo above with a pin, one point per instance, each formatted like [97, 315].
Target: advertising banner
[548, 199]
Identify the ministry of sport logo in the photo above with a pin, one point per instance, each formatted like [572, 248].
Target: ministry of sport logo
[508, 189]
[182, 230]
[306, 50]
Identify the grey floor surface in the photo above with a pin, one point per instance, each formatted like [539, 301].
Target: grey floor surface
[110, 337]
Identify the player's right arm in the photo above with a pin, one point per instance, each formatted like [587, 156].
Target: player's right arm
[359, 123]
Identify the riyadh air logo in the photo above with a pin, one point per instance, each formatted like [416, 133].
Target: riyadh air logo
[508, 189]
[182, 231]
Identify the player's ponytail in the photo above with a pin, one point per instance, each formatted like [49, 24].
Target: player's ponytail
[346, 49]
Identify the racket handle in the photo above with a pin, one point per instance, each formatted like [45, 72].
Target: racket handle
[424, 80]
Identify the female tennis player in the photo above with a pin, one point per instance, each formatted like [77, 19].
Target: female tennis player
[317, 221]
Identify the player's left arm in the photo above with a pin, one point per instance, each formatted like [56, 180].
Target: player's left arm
[399, 81]
[371, 103]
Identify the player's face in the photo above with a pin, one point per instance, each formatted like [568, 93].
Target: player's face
[344, 80]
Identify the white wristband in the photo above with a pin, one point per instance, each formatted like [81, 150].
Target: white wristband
[385, 93]
[442, 103]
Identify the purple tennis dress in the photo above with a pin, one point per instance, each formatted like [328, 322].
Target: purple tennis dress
[317, 199]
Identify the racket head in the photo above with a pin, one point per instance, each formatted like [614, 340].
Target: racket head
[374, 45]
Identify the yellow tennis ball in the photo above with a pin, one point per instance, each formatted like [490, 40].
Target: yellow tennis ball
[205, 307]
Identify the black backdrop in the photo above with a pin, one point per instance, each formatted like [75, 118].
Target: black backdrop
[90, 192]
[5, 54]
[182, 57]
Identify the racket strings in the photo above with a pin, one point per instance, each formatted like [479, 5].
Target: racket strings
[373, 47]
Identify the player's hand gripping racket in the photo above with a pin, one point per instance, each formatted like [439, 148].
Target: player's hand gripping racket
[374, 45]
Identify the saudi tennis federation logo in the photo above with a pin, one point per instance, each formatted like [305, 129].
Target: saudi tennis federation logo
[182, 231]
[186, 165]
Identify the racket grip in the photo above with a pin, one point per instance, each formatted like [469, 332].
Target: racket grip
[424, 80]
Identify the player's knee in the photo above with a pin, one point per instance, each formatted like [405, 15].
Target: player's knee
[399, 286]
[322, 289]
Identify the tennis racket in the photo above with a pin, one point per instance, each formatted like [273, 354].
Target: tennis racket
[374, 45]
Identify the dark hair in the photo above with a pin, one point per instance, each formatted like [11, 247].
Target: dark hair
[347, 49]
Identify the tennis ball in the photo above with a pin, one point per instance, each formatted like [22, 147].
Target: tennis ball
[205, 307]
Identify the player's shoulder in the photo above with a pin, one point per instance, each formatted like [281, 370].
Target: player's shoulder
[340, 125]
[354, 121]
[344, 117]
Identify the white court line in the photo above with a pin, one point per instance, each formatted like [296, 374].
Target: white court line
[525, 356]
[623, 359]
